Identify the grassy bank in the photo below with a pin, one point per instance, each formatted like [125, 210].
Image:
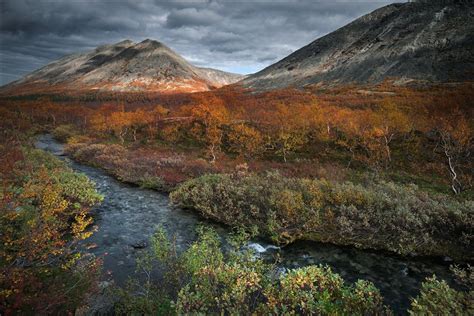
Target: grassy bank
[377, 215]
[285, 207]
[163, 168]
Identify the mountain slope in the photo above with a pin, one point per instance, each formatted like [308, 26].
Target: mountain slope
[424, 40]
[125, 66]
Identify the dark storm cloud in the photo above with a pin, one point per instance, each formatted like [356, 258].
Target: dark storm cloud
[191, 17]
[241, 36]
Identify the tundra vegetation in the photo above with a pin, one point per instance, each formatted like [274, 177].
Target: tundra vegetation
[376, 214]
[379, 170]
[45, 212]
[205, 280]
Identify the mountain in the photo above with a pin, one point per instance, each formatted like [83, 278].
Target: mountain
[428, 41]
[125, 66]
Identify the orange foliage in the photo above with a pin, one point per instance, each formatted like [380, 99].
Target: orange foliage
[368, 122]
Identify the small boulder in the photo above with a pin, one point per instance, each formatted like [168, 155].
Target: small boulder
[140, 244]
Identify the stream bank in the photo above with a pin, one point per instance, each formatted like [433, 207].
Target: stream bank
[129, 215]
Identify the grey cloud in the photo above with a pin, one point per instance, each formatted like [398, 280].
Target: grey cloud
[191, 17]
[220, 37]
[243, 36]
[268, 58]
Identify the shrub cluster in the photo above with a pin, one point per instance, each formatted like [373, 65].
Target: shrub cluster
[204, 280]
[44, 214]
[438, 298]
[64, 132]
[154, 170]
[379, 215]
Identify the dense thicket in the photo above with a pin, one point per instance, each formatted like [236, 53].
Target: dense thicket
[378, 215]
[204, 280]
[44, 213]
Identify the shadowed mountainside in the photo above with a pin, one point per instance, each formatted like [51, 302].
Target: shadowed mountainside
[428, 41]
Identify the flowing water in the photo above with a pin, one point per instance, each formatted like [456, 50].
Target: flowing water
[129, 215]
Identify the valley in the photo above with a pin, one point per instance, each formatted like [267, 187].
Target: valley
[129, 215]
[338, 180]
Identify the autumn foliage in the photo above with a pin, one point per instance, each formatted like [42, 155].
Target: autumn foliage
[424, 132]
[44, 215]
[382, 139]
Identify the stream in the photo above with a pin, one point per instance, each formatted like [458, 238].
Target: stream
[129, 215]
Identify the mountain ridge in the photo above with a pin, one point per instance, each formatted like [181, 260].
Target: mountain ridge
[124, 66]
[413, 41]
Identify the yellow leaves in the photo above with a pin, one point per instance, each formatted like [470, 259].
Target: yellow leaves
[245, 140]
[37, 224]
[81, 222]
[247, 280]
[71, 262]
[210, 114]
[207, 125]
[11, 216]
[378, 132]
[77, 139]
[316, 194]
[170, 133]
[52, 202]
[462, 130]
[98, 122]
[7, 293]
[289, 203]
[159, 111]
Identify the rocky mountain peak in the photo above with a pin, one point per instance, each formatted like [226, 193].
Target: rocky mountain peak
[150, 44]
[428, 41]
[124, 66]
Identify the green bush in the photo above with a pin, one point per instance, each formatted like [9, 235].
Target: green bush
[37, 158]
[151, 182]
[64, 132]
[438, 298]
[317, 290]
[380, 215]
[204, 280]
[75, 187]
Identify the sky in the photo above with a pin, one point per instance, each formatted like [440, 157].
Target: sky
[238, 36]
